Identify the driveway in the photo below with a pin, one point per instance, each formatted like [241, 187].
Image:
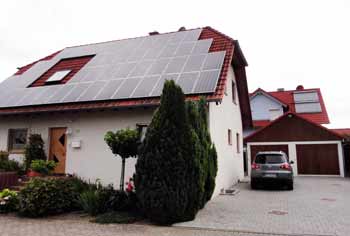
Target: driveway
[317, 206]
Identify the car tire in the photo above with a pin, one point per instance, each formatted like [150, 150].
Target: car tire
[290, 185]
[253, 184]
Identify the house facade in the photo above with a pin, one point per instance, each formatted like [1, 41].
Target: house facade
[74, 96]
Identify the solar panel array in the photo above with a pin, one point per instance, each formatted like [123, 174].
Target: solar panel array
[132, 68]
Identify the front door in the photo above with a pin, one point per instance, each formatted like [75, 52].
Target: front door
[58, 144]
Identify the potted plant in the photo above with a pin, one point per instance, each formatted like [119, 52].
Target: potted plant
[41, 167]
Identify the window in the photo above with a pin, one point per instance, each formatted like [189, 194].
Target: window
[17, 139]
[238, 143]
[229, 137]
[233, 92]
[58, 76]
[270, 159]
[142, 129]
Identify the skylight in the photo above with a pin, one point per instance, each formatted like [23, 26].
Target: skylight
[58, 76]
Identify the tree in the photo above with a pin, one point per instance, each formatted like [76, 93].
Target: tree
[123, 143]
[167, 170]
[34, 150]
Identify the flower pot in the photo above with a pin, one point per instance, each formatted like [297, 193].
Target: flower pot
[32, 173]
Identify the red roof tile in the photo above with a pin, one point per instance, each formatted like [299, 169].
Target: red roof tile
[345, 132]
[261, 123]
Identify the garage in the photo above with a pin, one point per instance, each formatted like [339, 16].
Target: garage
[318, 159]
[314, 149]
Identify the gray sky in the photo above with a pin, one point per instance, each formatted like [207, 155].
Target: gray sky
[286, 42]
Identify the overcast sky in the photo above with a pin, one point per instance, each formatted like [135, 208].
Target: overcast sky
[286, 42]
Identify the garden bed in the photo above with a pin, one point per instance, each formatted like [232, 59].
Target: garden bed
[8, 179]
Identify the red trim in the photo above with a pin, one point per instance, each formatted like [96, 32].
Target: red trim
[246, 139]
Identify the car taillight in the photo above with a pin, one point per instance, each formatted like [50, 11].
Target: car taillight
[286, 166]
[255, 166]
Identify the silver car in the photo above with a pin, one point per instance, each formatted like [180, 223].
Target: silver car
[271, 167]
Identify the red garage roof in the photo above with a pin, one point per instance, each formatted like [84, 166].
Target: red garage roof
[286, 97]
[345, 132]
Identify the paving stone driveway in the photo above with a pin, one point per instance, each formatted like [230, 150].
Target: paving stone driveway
[317, 206]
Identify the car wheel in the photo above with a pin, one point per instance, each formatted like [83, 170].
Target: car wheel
[253, 184]
[290, 185]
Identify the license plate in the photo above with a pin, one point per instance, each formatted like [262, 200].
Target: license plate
[270, 175]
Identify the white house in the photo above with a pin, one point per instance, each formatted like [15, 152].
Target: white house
[74, 96]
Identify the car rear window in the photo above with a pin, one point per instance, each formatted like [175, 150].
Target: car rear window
[269, 159]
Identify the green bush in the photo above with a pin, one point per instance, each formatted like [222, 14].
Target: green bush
[34, 150]
[168, 169]
[42, 166]
[48, 196]
[102, 199]
[8, 201]
[4, 156]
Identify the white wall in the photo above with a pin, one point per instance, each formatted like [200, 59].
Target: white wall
[222, 117]
[93, 160]
[264, 108]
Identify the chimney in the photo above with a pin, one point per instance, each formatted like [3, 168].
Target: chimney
[153, 33]
[182, 28]
[280, 89]
[300, 87]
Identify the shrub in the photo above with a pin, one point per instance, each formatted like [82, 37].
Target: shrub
[48, 196]
[10, 165]
[8, 201]
[34, 150]
[4, 156]
[168, 168]
[42, 166]
[90, 202]
[124, 143]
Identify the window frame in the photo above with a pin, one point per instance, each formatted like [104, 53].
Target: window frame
[233, 88]
[142, 129]
[238, 143]
[10, 139]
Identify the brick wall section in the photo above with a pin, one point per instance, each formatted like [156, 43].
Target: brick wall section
[73, 64]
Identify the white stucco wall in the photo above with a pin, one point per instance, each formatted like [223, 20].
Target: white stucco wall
[93, 160]
[222, 117]
[264, 108]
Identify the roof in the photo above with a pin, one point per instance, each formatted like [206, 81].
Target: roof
[261, 123]
[303, 130]
[286, 97]
[345, 132]
[34, 75]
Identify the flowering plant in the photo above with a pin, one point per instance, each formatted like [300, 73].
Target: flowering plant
[8, 201]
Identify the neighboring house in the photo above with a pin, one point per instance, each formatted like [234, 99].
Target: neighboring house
[74, 96]
[314, 149]
[267, 106]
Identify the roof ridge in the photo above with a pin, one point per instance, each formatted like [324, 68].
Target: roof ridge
[137, 37]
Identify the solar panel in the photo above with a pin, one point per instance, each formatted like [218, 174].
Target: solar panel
[62, 92]
[110, 88]
[141, 68]
[123, 69]
[202, 46]
[206, 82]
[185, 49]
[145, 87]
[176, 65]
[194, 63]
[78, 90]
[214, 61]
[158, 66]
[187, 80]
[92, 91]
[127, 88]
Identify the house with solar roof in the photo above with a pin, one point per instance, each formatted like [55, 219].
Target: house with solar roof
[74, 96]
